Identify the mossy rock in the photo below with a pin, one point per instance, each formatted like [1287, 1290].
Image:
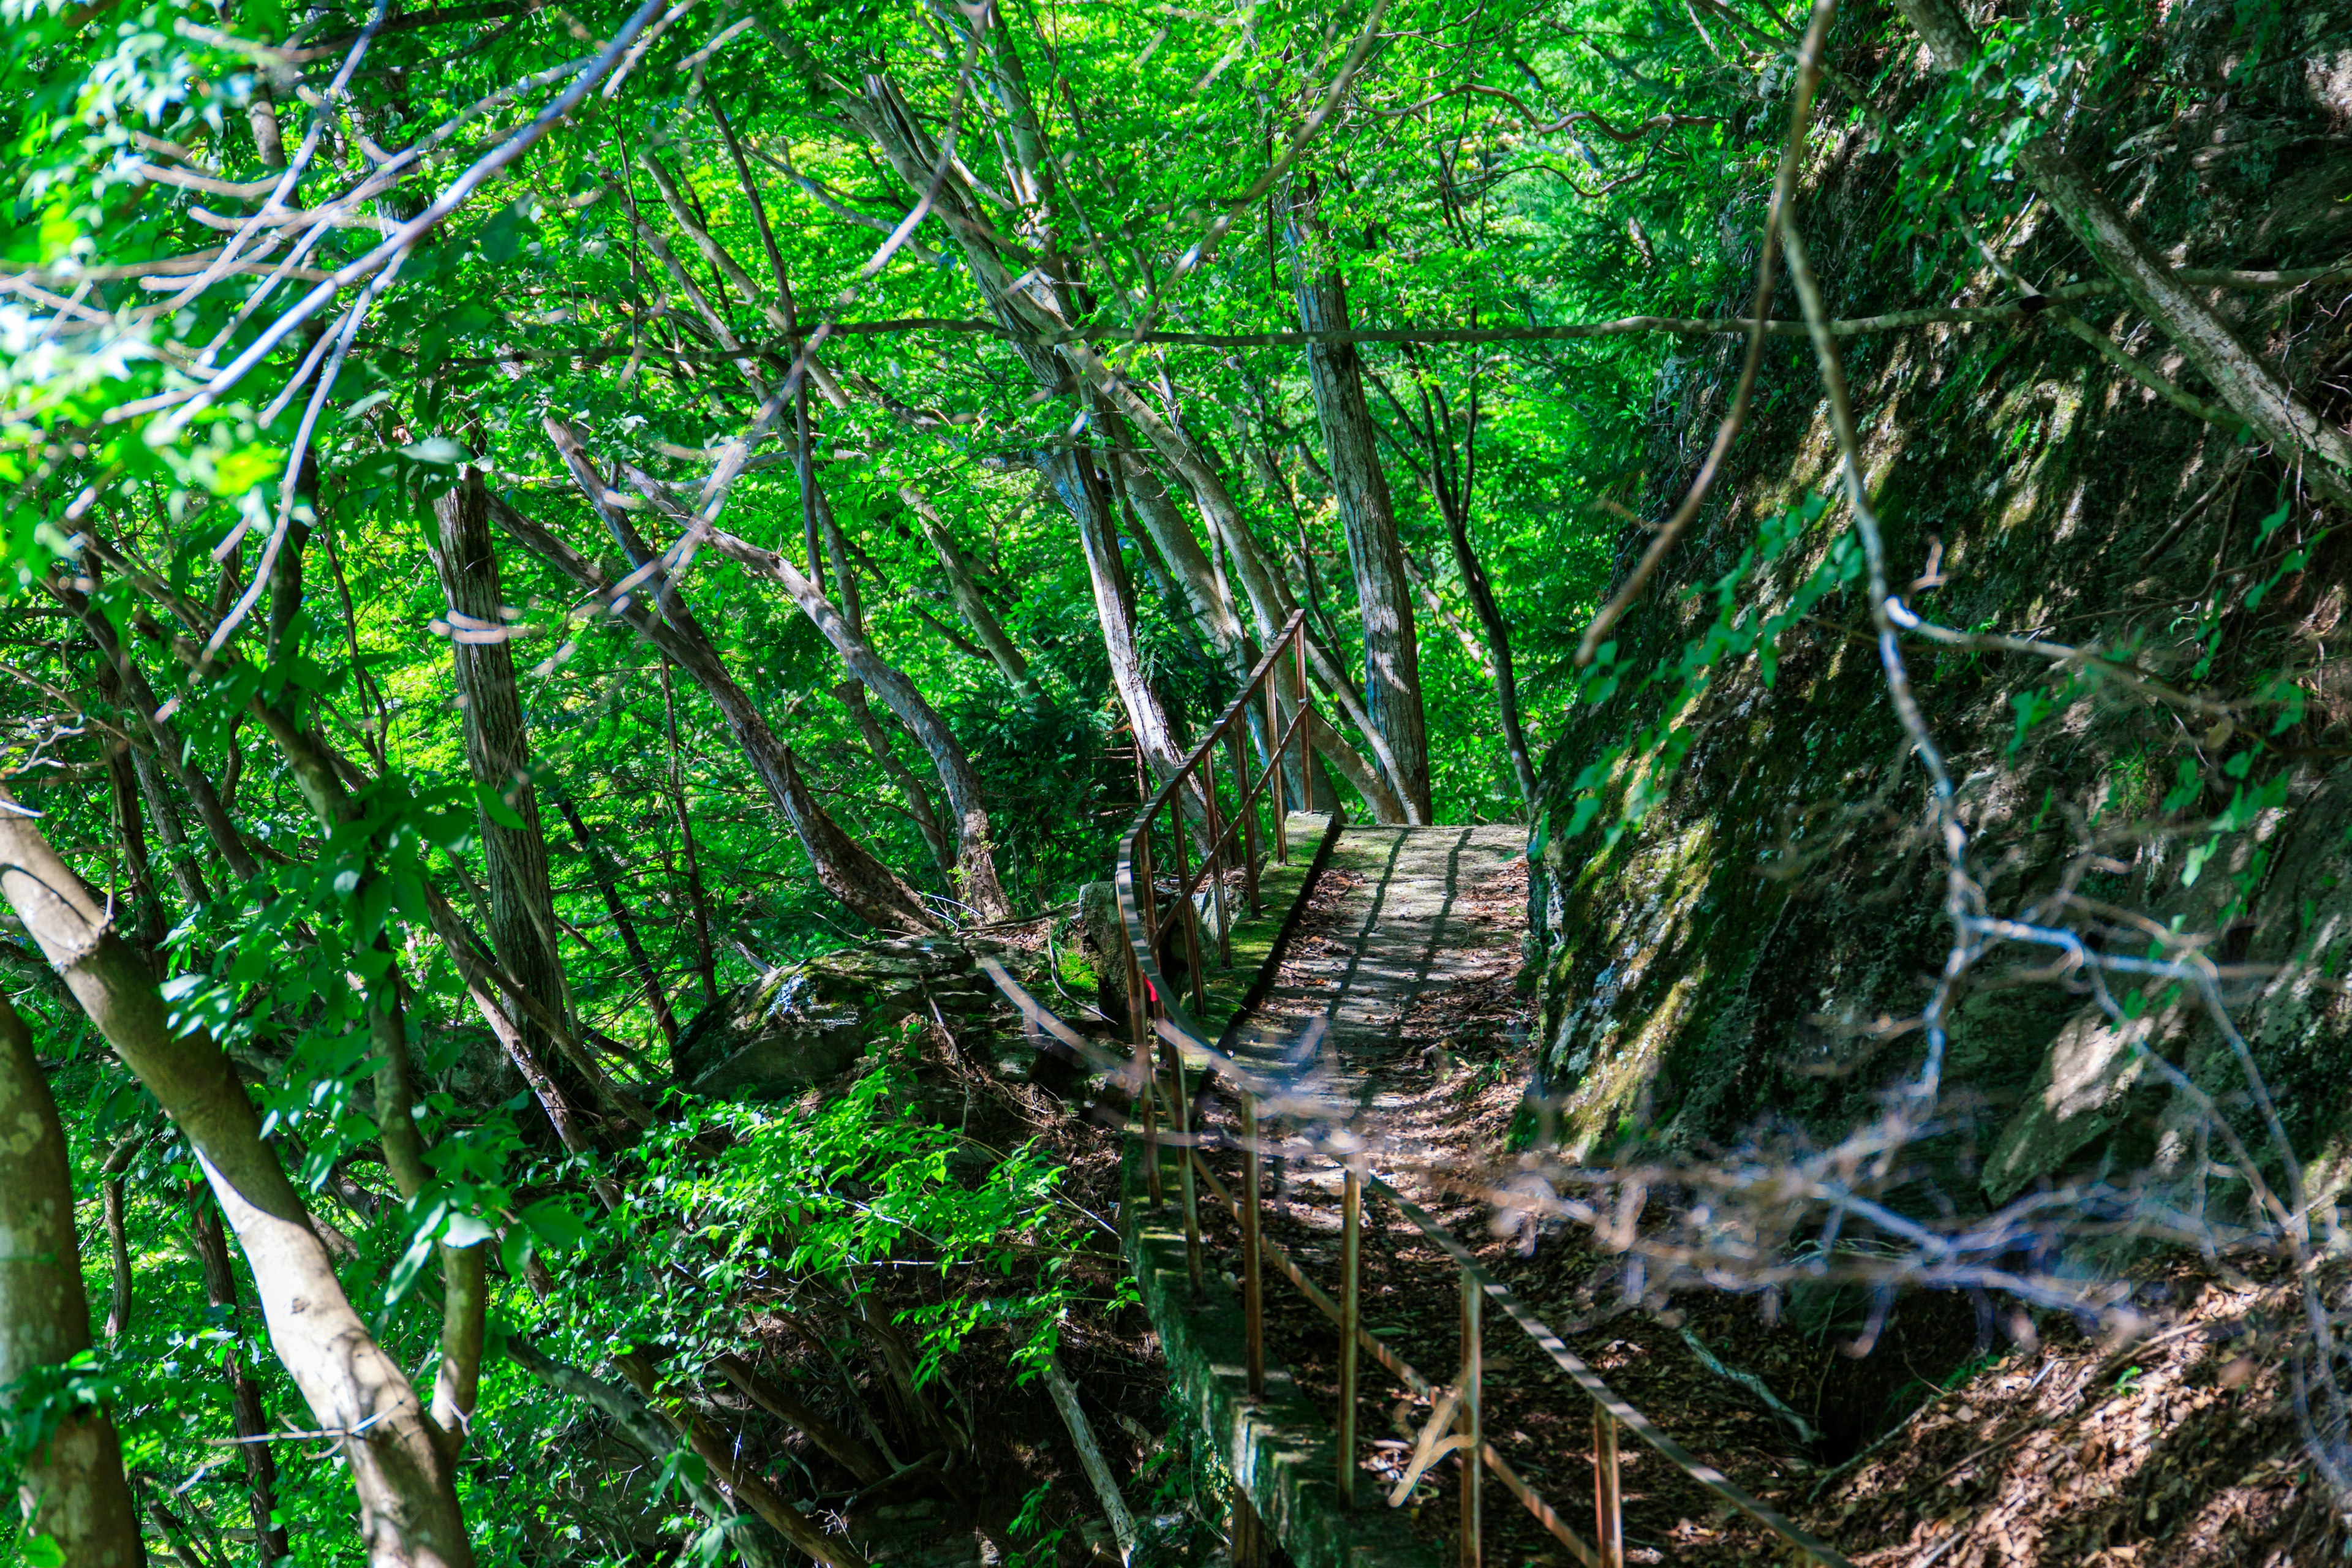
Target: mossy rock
[802, 1023]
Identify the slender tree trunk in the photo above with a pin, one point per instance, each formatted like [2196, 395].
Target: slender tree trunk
[706, 953]
[2248, 385]
[117, 1233]
[967, 595]
[1498, 646]
[600, 867]
[1368, 516]
[1081, 489]
[650, 1435]
[498, 754]
[400, 1460]
[169, 749]
[870, 889]
[245, 1394]
[852, 696]
[186, 874]
[1270, 601]
[975, 851]
[130, 826]
[747, 1484]
[72, 1487]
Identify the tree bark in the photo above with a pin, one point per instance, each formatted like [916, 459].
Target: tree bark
[975, 850]
[650, 1435]
[408, 1503]
[852, 696]
[1072, 472]
[72, 1487]
[779, 1402]
[117, 1235]
[1367, 517]
[169, 749]
[966, 593]
[2295, 430]
[498, 754]
[245, 1394]
[706, 952]
[600, 867]
[747, 1484]
[871, 889]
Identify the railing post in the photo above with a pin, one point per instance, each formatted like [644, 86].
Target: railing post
[1608, 1514]
[1240, 750]
[1305, 730]
[1252, 1296]
[1351, 1315]
[1215, 866]
[1189, 912]
[1274, 763]
[1140, 1017]
[1473, 1449]
[1180, 1117]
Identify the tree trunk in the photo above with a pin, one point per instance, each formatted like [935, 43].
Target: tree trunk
[245, 1395]
[649, 1435]
[111, 1198]
[1368, 516]
[1073, 473]
[2298, 433]
[169, 749]
[408, 1502]
[72, 1487]
[974, 608]
[498, 754]
[745, 1483]
[871, 889]
[975, 851]
[600, 867]
[706, 952]
[1270, 601]
[852, 696]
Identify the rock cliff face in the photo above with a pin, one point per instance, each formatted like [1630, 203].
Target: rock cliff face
[1737, 902]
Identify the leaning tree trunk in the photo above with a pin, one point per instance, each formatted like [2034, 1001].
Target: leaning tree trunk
[498, 753]
[871, 889]
[976, 876]
[401, 1463]
[994, 638]
[1367, 517]
[71, 1486]
[1072, 472]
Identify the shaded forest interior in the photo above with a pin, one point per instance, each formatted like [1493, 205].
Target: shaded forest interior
[578, 576]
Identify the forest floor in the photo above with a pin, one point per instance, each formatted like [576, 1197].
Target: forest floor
[1945, 1444]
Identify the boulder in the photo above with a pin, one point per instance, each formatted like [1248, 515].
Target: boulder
[802, 1023]
[1101, 938]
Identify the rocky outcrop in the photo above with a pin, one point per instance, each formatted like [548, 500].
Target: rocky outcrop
[1738, 897]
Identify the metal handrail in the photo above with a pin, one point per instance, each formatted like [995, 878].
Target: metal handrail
[1161, 1025]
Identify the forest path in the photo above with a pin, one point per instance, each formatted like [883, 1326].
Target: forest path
[1407, 951]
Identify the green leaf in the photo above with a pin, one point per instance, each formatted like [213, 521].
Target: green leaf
[554, 1224]
[437, 452]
